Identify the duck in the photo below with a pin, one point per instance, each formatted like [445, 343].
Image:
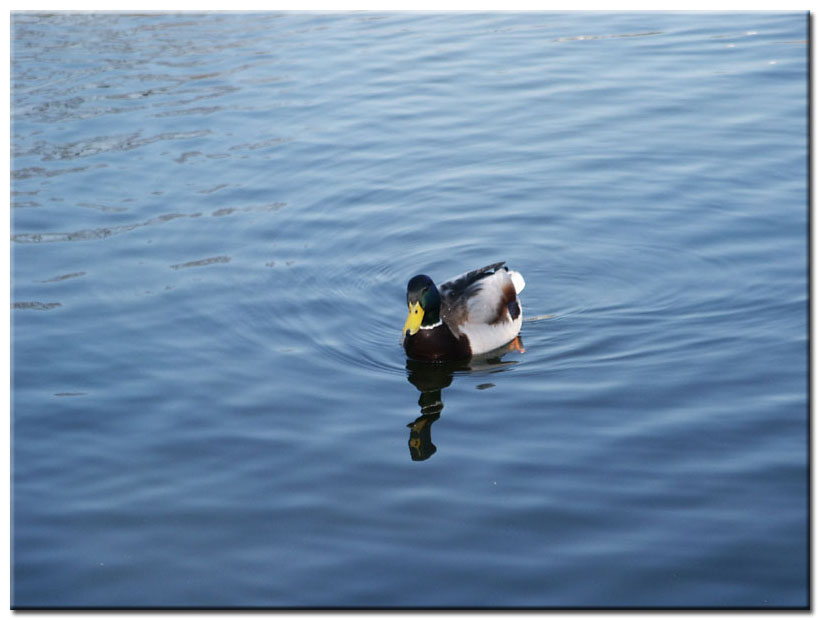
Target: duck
[469, 315]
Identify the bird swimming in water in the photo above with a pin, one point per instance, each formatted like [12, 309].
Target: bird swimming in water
[468, 315]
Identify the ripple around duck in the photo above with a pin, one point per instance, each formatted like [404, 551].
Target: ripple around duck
[618, 279]
[357, 334]
[362, 301]
[641, 288]
[372, 340]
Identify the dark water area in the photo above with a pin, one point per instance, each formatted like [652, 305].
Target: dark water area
[214, 218]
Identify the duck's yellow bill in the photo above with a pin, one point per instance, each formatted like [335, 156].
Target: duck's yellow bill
[413, 322]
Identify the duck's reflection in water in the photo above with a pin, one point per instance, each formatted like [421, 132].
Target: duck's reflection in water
[430, 379]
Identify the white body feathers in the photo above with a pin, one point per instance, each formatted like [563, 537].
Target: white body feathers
[482, 325]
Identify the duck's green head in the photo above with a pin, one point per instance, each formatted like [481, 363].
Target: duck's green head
[423, 303]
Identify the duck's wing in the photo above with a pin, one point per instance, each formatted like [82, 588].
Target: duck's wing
[489, 312]
[480, 297]
[464, 285]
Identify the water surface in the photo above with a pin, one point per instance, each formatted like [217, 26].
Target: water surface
[214, 217]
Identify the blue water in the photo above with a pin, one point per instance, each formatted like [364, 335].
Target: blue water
[214, 218]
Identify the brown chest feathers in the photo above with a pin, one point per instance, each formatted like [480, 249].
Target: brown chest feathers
[437, 345]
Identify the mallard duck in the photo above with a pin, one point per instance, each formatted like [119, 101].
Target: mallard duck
[468, 315]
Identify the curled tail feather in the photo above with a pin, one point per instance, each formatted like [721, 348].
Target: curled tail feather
[518, 281]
